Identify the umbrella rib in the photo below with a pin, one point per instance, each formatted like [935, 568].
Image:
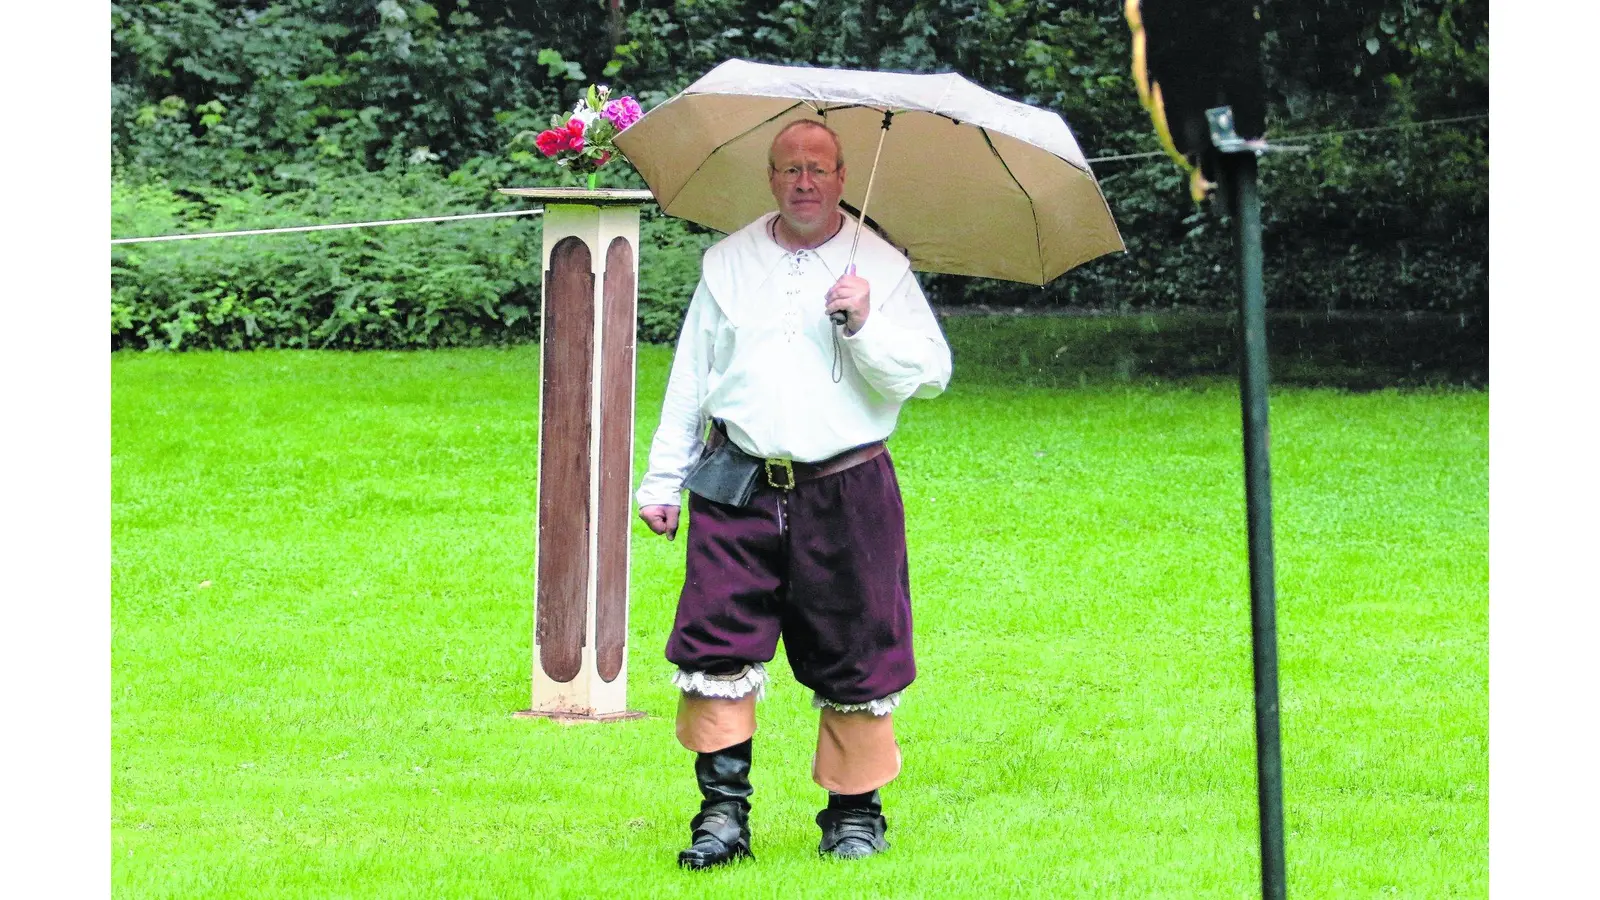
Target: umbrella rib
[696, 173]
[870, 221]
[1033, 209]
[823, 111]
[948, 85]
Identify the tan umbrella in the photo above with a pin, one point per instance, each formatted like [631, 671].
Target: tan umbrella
[969, 182]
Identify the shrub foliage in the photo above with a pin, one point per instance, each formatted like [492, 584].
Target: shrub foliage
[231, 114]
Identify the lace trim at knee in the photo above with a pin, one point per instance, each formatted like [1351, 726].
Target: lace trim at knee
[727, 687]
[880, 707]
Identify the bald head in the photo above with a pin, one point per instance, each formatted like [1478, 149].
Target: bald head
[806, 124]
[805, 170]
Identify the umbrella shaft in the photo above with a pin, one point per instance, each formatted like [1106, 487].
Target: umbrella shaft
[871, 176]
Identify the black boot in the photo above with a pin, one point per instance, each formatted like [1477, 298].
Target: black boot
[853, 826]
[721, 831]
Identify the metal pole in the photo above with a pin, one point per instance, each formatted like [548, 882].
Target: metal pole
[1240, 181]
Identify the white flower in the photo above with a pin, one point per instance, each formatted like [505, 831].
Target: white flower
[583, 113]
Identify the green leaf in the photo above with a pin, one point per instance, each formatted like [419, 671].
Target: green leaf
[557, 64]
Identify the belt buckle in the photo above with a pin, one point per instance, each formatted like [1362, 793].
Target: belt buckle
[784, 467]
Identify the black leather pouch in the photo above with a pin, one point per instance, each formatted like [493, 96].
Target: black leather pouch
[726, 475]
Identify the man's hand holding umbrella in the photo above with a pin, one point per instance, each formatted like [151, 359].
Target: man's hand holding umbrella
[852, 296]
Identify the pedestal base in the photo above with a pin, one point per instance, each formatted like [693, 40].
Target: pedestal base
[577, 718]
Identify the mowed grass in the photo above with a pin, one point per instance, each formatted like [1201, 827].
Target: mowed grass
[322, 619]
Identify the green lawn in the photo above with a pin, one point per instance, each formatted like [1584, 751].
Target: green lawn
[321, 577]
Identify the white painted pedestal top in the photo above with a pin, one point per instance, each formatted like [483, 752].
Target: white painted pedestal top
[582, 196]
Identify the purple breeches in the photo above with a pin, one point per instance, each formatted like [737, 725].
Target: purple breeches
[824, 565]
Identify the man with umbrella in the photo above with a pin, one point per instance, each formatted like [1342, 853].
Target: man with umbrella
[797, 526]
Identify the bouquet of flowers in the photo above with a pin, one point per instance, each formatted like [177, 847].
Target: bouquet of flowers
[580, 141]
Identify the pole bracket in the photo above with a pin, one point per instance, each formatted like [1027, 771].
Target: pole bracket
[1227, 140]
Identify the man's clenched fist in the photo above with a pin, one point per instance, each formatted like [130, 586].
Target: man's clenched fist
[661, 519]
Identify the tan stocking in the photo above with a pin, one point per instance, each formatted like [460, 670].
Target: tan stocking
[856, 752]
[709, 724]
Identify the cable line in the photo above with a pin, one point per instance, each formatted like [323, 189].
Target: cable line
[213, 234]
[1308, 137]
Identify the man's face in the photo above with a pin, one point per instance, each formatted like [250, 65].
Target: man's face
[806, 200]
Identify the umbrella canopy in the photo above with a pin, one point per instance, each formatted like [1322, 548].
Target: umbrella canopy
[969, 183]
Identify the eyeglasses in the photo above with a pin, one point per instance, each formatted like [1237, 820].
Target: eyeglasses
[791, 174]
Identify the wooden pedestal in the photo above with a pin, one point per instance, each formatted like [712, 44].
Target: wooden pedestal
[587, 334]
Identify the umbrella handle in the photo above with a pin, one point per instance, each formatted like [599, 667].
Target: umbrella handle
[840, 317]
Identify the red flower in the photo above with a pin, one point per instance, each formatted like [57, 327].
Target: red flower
[575, 135]
[605, 157]
[552, 142]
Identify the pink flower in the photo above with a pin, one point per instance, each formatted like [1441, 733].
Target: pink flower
[552, 142]
[622, 112]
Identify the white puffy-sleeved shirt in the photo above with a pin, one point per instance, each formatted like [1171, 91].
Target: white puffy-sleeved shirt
[758, 352]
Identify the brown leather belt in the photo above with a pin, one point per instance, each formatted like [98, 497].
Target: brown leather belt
[784, 474]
